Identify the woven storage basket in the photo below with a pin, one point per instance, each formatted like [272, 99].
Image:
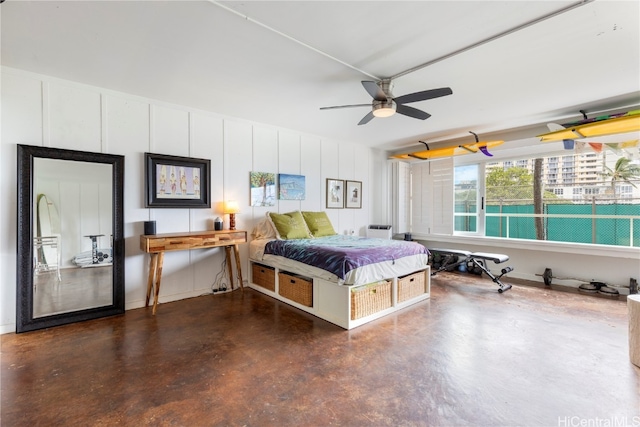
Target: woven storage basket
[264, 276]
[369, 299]
[296, 288]
[412, 286]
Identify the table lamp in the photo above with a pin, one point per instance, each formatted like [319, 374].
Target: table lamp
[231, 208]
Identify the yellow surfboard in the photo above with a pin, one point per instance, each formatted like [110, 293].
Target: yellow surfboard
[454, 150]
[629, 122]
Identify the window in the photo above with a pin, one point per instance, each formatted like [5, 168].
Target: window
[576, 205]
[466, 198]
[625, 191]
[599, 205]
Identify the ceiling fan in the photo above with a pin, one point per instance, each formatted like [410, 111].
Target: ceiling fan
[384, 104]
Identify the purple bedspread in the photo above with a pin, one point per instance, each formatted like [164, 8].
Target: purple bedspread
[340, 254]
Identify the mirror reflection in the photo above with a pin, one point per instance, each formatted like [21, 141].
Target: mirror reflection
[73, 236]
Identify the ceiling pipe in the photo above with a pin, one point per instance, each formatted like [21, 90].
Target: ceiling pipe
[493, 38]
[418, 67]
[288, 37]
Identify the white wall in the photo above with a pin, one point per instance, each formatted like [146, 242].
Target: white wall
[44, 111]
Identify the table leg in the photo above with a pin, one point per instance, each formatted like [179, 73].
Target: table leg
[238, 266]
[158, 278]
[227, 250]
[153, 261]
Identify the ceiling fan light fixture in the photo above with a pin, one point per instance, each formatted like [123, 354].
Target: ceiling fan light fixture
[384, 108]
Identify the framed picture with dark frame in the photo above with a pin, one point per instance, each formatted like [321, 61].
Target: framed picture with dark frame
[176, 182]
[353, 195]
[335, 193]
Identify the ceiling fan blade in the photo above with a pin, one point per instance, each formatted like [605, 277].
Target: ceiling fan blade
[374, 90]
[345, 106]
[366, 119]
[424, 95]
[412, 112]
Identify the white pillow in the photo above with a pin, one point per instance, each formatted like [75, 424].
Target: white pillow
[263, 230]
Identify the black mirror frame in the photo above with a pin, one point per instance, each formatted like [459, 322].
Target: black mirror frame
[24, 274]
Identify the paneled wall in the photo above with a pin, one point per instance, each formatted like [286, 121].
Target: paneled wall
[40, 110]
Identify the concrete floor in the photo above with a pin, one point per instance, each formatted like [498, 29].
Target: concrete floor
[467, 357]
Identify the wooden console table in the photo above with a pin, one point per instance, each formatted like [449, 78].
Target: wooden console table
[156, 245]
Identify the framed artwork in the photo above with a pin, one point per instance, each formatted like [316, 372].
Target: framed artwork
[291, 187]
[263, 188]
[353, 194]
[177, 182]
[335, 193]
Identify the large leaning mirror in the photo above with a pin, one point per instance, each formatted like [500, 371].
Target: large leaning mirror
[70, 236]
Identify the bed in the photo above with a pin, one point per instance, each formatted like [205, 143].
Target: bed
[346, 280]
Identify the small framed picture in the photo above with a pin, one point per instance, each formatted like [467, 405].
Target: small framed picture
[291, 187]
[353, 195]
[176, 182]
[335, 193]
[263, 188]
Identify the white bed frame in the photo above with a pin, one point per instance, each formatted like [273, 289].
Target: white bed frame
[332, 302]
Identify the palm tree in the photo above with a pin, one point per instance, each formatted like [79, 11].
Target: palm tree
[623, 171]
[538, 205]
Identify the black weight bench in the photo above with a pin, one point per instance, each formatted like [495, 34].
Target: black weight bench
[452, 258]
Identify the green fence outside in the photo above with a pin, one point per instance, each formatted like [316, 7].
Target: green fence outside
[602, 231]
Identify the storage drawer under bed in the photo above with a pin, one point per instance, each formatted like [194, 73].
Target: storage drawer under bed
[296, 288]
[370, 299]
[263, 276]
[412, 286]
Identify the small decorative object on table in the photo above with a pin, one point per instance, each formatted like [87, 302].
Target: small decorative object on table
[149, 227]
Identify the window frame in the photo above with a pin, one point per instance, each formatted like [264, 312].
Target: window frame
[480, 197]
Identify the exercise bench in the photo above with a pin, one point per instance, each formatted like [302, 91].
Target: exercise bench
[452, 258]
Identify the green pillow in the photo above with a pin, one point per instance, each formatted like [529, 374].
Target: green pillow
[289, 225]
[319, 224]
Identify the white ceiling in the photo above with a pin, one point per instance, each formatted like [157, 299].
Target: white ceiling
[267, 68]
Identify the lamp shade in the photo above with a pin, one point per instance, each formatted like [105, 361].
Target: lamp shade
[231, 207]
